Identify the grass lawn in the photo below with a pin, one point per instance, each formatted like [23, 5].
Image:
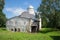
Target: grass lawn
[44, 34]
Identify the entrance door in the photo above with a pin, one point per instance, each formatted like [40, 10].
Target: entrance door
[33, 29]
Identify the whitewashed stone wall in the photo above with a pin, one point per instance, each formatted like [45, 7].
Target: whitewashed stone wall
[22, 23]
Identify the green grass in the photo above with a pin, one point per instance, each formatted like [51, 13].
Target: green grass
[44, 34]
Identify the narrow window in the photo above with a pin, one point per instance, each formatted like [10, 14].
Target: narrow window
[24, 23]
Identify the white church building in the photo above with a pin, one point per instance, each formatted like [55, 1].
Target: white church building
[26, 22]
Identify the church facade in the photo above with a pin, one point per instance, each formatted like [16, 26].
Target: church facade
[26, 22]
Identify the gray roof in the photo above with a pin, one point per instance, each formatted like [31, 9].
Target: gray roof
[27, 15]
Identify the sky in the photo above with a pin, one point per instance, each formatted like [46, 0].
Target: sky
[16, 7]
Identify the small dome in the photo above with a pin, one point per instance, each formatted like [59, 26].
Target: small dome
[30, 6]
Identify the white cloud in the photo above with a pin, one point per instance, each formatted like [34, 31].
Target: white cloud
[15, 11]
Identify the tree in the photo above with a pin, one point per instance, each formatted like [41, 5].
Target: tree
[2, 15]
[50, 12]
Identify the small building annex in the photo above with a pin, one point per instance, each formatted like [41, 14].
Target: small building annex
[26, 22]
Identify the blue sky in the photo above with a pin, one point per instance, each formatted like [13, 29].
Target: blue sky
[15, 7]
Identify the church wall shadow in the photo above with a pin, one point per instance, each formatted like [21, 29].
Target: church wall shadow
[47, 30]
[44, 31]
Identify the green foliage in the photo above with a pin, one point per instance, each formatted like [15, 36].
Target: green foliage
[50, 12]
[2, 15]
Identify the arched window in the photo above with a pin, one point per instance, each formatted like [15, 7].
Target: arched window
[11, 29]
[15, 29]
[18, 29]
